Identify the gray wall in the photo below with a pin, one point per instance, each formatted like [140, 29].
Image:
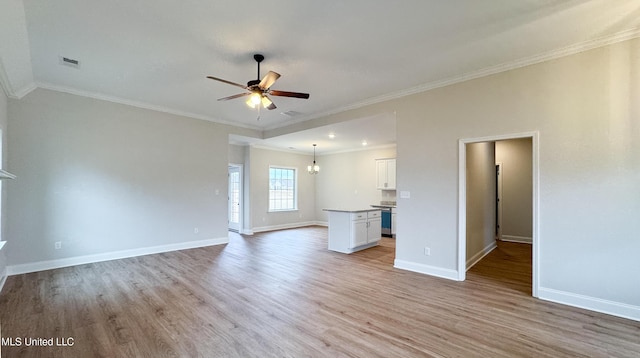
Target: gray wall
[104, 177]
[481, 198]
[517, 185]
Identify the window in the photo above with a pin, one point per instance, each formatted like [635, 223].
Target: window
[282, 189]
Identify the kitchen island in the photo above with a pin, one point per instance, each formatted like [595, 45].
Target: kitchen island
[352, 230]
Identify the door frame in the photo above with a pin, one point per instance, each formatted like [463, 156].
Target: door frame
[462, 202]
[240, 198]
[499, 200]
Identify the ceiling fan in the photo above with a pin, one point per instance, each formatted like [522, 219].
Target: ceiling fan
[258, 90]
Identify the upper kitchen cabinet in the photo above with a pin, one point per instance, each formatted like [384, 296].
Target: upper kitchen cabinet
[386, 171]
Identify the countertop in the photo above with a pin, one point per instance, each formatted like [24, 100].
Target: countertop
[352, 210]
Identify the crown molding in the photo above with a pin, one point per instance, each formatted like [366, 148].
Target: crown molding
[358, 149]
[5, 83]
[9, 90]
[487, 71]
[340, 151]
[138, 104]
[547, 56]
[278, 149]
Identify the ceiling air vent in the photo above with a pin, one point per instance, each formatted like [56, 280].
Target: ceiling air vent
[69, 62]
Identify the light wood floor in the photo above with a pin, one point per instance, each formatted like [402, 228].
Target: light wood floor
[283, 294]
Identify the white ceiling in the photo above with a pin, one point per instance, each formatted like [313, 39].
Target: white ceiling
[157, 53]
[361, 133]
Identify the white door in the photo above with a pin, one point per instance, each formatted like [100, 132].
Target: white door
[235, 195]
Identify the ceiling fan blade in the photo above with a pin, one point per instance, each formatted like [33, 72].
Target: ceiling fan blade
[268, 80]
[268, 103]
[227, 82]
[234, 96]
[289, 94]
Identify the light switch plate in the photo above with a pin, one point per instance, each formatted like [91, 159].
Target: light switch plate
[405, 194]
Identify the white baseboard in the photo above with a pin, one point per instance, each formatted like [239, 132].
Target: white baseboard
[284, 226]
[590, 303]
[480, 255]
[87, 259]
[426, 269]
[3, 273]
[514, 238]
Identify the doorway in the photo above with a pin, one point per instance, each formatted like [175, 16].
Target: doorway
[463, 196]
[235, 197]
[498, 201]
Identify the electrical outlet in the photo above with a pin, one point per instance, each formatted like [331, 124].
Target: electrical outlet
[58, 245]
[195, 230]
[427, 251]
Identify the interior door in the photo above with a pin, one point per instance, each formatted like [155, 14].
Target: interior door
[498, 201]
[235, 194]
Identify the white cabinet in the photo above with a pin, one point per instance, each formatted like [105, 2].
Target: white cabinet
[386, 173]
[374, 226]
[359, 235]
[351, 231]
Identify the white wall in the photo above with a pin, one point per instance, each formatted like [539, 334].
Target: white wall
[517, 185]
[3, 160]
[104, 177]
[481, 200]
[75, 156]
[348, 180]
[236, 154]
[261, 219]
[585, 109]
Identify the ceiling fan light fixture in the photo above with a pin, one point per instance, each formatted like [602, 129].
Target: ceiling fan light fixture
[254, 100]
[266, 102]
[258, 89]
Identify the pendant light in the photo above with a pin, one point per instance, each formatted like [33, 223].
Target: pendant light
[315, 168]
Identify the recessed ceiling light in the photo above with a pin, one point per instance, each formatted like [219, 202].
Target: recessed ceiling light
[364, 142]
[332, 135]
